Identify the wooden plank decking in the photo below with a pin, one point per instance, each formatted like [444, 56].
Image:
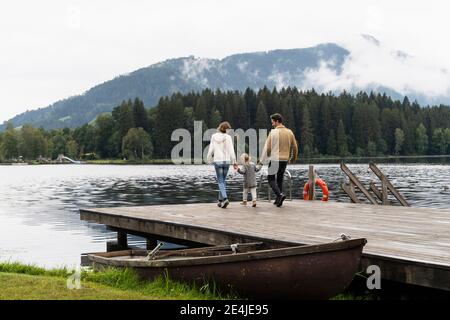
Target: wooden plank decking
[410, 245]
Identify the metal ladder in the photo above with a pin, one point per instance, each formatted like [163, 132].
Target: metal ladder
[263, 177]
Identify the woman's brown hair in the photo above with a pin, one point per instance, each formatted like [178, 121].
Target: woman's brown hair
[224, 126]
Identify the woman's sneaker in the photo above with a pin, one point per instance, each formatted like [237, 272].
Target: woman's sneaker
[219, 204]
[225, 204]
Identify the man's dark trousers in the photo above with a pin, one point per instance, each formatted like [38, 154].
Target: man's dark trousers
[275, 175]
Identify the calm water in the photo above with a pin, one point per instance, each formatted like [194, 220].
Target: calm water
[39, 218]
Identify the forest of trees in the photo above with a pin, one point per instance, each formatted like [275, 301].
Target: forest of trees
[324, 124]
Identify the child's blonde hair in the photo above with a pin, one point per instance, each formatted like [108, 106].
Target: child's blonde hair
[245, 158]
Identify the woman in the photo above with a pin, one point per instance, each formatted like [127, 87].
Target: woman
[221, 153]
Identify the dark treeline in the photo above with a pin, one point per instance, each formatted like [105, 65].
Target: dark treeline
[324, 124]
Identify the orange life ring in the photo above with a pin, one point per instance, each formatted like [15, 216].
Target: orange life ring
[321, 184]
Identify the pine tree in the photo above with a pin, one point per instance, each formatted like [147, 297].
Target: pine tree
[240, 117]
[169, 117]
[104, 129]
[371, 149]
[216, 118]
[341, 140]
[275, 102]
[252, 105]
[382, 146]
[140, 116]
[124, 117]
[307, 136]
[399, 140]
[228, 111]
[189, 119]
[262, 120]
[331, 143]
[265, 96]
[288, 115]
[200, 110]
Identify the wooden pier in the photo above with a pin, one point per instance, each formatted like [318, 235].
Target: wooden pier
[410, 245]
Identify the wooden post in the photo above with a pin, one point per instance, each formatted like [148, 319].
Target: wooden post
[122, 240]
[312, 183]
[379, 194]
[352, 188]
[375, 190]
[357, 183]
[349, 189]
[120, 244]
[151, 243]
[384, 191]
[388, 184]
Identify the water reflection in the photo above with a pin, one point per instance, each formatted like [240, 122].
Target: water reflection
[39, 218]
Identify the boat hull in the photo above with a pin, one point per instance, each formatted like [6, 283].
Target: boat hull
[306, 272]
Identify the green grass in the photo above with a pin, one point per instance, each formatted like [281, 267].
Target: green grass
[28, 287]
[19, 281]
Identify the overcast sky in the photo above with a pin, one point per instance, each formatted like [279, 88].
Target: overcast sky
[50, 50]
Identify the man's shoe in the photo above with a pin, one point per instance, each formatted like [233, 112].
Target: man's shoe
[280, 202]
[277, 199]
[225, 204]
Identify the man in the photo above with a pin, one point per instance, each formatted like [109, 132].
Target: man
[280, 147]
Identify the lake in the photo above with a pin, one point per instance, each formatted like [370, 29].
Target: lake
[39, 217]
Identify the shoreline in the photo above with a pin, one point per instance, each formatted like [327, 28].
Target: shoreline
[434, 159]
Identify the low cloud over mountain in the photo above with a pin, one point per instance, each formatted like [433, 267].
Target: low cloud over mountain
[373, 66]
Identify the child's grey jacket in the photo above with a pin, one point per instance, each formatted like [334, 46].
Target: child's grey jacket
[249, 171]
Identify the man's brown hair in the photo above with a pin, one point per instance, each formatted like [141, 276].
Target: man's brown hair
[277, 117]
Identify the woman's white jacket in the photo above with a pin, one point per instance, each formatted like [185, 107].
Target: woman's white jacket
[221, 148]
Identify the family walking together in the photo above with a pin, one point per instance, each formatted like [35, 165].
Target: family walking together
[279, 149]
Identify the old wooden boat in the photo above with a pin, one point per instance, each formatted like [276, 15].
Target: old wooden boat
[253, 270]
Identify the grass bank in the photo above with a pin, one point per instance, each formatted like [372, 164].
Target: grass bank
[28, 282]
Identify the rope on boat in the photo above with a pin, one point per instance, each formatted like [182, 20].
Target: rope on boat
[343, 237]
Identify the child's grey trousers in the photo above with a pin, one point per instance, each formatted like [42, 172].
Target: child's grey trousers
[247, 191]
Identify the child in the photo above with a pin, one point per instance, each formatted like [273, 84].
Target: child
[248, 170]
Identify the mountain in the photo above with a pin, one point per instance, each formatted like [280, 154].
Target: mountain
[236, 72]
[325, 67]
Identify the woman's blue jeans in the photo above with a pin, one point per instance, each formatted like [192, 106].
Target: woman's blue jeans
[221, 173]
